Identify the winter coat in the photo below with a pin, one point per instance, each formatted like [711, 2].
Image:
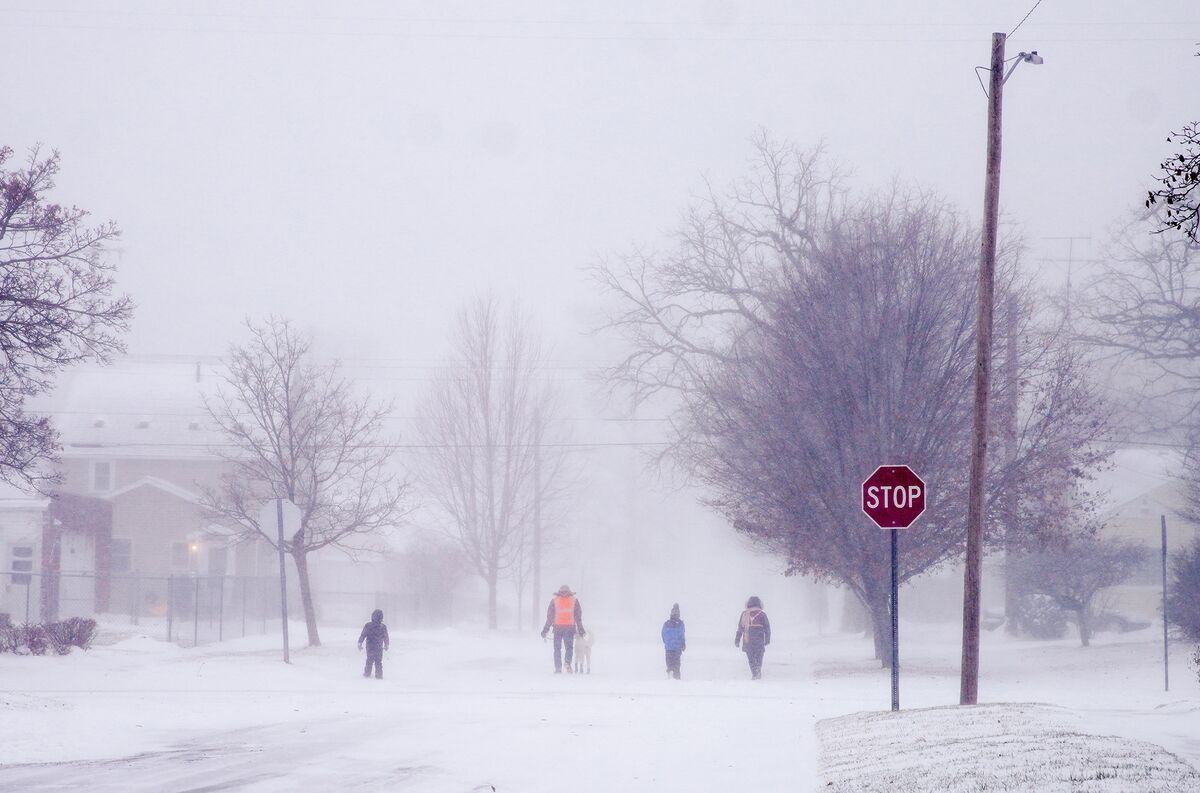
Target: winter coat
[552, 612]
[754, 629]
[375, 634]
[674, 635]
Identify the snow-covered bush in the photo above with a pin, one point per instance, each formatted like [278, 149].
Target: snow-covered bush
[34, 639]
[74, 632]
[1183, 598]
[1042, 617]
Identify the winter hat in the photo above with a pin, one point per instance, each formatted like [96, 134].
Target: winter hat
[754, 602]
[675, 611]
[564, 590]
[377, 615]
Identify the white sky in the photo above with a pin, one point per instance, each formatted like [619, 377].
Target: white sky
[362, 166]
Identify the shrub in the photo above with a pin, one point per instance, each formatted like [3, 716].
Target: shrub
[1183, 595]
[33, 639]
[81, 632]
[1042, 617]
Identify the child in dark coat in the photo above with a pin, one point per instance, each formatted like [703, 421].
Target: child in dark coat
[674, 636]
[375, 634]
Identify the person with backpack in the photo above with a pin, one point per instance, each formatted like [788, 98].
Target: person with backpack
[674, 637]
[753, 635]
[375, 634]
[566, 616]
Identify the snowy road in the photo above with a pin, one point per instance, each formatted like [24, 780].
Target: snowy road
[441, 721]
[460, 711]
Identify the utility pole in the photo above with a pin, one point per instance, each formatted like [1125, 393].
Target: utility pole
[972, 577]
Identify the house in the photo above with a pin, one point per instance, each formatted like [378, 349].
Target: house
[1145, 494]
[126, 523]
[22, 518]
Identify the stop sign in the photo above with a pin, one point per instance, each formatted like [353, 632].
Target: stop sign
[893, 496]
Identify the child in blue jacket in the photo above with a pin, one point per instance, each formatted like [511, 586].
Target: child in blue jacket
[674, 638]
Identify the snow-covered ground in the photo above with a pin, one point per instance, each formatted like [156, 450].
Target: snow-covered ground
[461, 710]
[992, 749]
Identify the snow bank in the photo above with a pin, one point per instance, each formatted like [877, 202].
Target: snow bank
[1008, 747]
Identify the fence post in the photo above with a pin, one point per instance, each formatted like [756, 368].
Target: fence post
[244, 582]
[170, 604]
[196, 613]
[28, 584]
[221, 611]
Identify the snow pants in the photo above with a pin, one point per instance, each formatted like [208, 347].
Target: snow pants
[374, 658]
[754, 654]
[563, 635]
[674, 657]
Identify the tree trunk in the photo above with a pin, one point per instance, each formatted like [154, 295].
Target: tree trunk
[1085, 628]
[1012, 608]
[520, 606]
[300, 557]
[491, 582]
[881, 625]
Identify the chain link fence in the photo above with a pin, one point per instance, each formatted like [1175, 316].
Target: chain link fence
[192, 610]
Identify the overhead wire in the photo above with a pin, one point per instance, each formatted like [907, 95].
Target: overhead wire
[1022, 22]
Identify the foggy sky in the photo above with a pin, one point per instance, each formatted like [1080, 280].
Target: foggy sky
[362, 166]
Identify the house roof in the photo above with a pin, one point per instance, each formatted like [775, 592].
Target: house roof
[1143, 487]
[133, 409]
[161, 484]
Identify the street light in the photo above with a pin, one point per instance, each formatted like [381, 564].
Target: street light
[1024, 57]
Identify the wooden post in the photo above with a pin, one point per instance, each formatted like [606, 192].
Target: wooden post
[973, 575]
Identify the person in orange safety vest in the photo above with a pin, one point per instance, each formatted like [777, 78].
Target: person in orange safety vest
[565, 615]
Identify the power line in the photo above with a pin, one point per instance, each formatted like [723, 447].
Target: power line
[386, 446]
[513, 36]
[1022, 22]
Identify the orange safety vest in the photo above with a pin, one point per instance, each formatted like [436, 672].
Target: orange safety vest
[564, 610]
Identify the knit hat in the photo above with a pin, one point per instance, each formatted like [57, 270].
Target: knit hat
[564, 590]
[675, 611]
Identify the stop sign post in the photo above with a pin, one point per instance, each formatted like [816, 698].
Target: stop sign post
[893, 497]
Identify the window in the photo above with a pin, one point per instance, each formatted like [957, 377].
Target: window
[102, 476]
[22, 564]
[120, 556]
[179, 556]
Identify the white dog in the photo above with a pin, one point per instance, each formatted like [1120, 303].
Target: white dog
[583, 653]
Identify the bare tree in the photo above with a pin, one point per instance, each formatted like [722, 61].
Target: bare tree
[57, 307]
[296, 430]
[1144, 305]
[810, 337]
[1074, 574]
[484, 424]
[1179, 195]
